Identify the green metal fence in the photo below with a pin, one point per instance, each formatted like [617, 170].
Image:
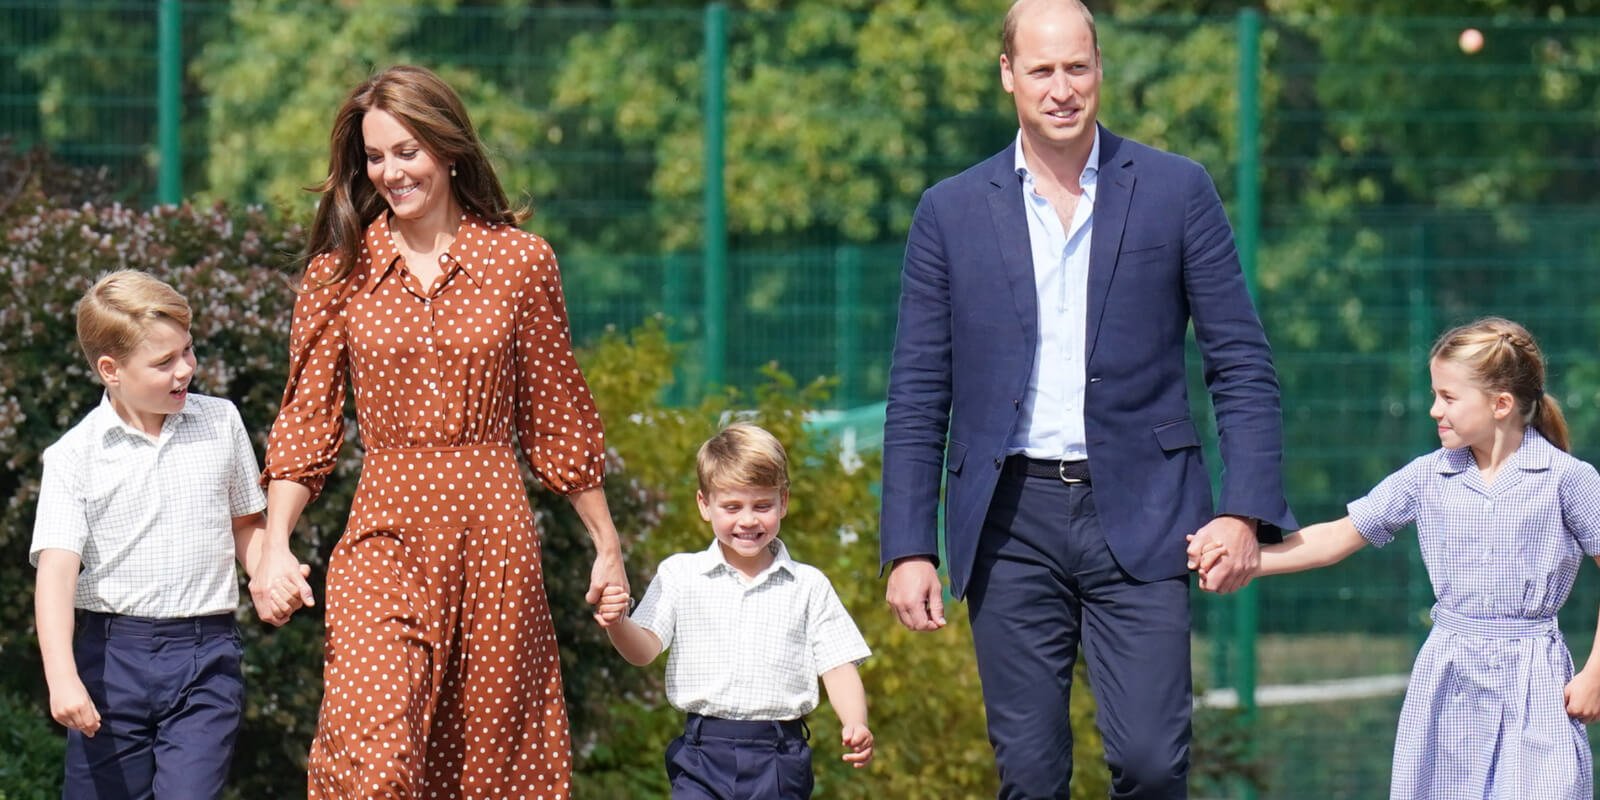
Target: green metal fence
[1384, 182]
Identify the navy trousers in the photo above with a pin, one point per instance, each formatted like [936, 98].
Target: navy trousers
[724, 759]
[1044, 581]
[170, 693]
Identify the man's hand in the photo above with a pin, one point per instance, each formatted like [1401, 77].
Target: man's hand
[915, 594]
[1232, 571]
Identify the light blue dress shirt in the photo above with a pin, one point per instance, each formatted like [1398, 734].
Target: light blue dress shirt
[1051, 425]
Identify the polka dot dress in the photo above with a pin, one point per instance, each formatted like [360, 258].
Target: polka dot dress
[442, 673]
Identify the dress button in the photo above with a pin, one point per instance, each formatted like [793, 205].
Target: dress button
[997, 463]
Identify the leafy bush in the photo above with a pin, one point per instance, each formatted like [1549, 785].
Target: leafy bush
[30, 753]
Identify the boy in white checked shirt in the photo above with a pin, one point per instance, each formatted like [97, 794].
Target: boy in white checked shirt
[749, 629]
[143, 507]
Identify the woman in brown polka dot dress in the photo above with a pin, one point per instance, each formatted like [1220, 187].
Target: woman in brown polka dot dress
[442, 677]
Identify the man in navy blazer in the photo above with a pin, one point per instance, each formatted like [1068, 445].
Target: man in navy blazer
[1039, 371]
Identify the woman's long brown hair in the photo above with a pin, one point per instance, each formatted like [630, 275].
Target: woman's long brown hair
[431, 111]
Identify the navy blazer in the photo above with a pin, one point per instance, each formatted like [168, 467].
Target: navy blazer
[1161, 254]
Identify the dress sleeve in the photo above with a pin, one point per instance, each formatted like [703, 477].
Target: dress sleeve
[1391, 505]
[1580, 506]
[557, 423]
[305, 440]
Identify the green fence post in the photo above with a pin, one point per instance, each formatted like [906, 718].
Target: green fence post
[716, 222]
[674, 308]
[846, 311]
[1248, 221]
[1419, 314]
[169, 101]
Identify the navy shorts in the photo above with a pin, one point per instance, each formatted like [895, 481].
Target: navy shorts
[170, 693]
[725, 759]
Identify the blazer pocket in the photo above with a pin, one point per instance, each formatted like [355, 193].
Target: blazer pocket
[1176, 435]
[1140, 248]
[955, 453]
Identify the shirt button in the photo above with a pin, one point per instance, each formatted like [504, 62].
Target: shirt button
[1488, 505]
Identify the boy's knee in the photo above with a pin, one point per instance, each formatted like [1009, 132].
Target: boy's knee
[1150, 772]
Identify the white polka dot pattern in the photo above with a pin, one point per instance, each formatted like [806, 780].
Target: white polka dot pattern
[442, 672]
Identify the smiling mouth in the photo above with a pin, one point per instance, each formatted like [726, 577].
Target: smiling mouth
[402, 192]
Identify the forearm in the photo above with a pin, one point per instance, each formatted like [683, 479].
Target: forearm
[1315, 546]
[285, 502]
[637, 644]
[846, 693]
[1594, 645]
[248, 538]
[53, 613]
[596, 516]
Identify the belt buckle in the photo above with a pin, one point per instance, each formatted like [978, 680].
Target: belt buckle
[1061, 470]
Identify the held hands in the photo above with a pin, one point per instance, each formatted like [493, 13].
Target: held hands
[915, 594]
[72, 707]
[613, 605]
[1582, 696]
[1210, 554]
[608, 579]
[1240, 556]
[278, 586]
[857, 740]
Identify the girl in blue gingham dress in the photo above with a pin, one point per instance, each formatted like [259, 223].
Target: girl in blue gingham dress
[1505, 518]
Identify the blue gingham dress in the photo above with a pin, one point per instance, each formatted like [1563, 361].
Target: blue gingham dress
[1484, 715]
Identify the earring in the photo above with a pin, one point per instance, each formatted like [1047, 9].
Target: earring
[452, 170]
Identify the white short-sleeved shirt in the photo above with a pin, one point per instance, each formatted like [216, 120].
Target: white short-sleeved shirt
[748, 649]
[151, 519]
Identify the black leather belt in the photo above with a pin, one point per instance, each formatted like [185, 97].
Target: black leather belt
[1064, 471]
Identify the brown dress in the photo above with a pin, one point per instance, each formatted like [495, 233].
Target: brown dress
[442, 678]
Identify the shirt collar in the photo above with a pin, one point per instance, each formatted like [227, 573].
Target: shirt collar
[1091, 167]
[1532, 455]
[712, 561]
[105, 420]
[386, 257]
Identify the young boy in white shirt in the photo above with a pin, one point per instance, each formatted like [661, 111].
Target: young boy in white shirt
[143, 508]
[749, 630]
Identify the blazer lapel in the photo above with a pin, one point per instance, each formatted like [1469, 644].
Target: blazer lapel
[1115, 192]
[1011, 231]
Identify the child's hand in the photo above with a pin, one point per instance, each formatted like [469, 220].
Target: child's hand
[613, 605]
[72, 707]
[858, 740]
[277, 601]
[1210, 554]
[1583, 697]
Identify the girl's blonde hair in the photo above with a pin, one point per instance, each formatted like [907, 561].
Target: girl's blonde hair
[115, 314]
[1504, 357]
[742, 456]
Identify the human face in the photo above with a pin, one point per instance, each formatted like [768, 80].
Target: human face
[153, 381]
[410, 179]
[745, 521]
[1467, 414]
[1054, 76]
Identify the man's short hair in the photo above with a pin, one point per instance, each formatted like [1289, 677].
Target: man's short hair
[742, 456]
[114, 316]
[1008, 31]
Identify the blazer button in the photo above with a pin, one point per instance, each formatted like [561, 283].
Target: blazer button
[1016, 403]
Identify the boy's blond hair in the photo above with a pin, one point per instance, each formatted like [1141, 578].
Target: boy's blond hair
[116, 312]
[742, 456]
